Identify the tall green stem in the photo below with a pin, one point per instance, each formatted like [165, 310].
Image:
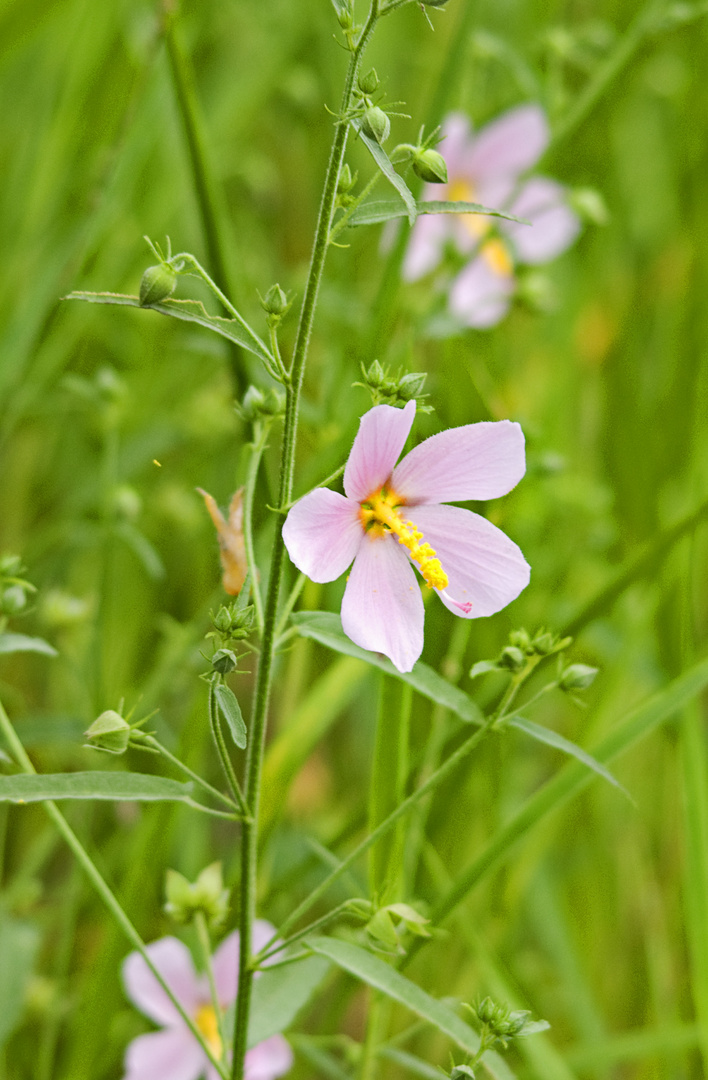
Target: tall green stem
[254, 760]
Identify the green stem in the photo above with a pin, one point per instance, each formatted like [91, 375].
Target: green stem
[290, 604]
[204, 185]
[256, 745]
[228, 768]
[405, 807]
[152, 741]
[101, 885]
[276, 945]
[261, 432]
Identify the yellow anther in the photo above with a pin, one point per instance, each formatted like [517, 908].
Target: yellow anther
[380, 514]
[207, 1023]
[496, 255]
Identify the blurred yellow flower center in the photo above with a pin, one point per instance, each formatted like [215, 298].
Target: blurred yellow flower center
[209, 1026]
[494, 251]
[380, 514]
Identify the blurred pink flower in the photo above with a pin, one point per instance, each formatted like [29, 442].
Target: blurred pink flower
[393, 516]
[486, 168]
[174, 1053]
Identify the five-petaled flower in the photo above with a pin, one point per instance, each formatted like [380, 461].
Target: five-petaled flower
[394, 517]
[174, 1053]
[487, 169]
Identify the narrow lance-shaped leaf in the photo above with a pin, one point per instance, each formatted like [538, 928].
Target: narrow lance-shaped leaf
[326, 628]
[188, 311]
[12, 643]
[28, 787]
[279, 995]
[552, 738]
[384, 163]
[231, 711]
[380, 210]
[381, 976]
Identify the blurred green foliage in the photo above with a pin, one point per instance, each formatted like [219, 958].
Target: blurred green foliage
[110, 418]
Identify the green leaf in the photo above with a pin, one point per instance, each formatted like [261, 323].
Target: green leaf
[189, 311]
[482, 667]
[26, 788]
[11, 643]
[381, 976]
[326, 628]
[552, 738]
[281, 993]
[380, 210]
[384, 163]
[572, 779]
[19, 941]
[231, 711]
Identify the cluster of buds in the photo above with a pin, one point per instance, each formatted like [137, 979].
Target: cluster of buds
[388, 389]
[113, 734]
[232, 622]
[260, 404]
[346, 182]
[388, 927]
[206, 896]
[15, 590]
[500, 1025]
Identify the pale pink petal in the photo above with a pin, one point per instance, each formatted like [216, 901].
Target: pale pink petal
[270, 1058]
[322, 533]
[382, 609]
[554, 226]
[425, 247]
[477, 461]
[173, 1054]
[174, 962]
[380, 439]
[479, 297]
[263, 931]
[511, 144]
[455, 144]
[225, 968]
[484, 567]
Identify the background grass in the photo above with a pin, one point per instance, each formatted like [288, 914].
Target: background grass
[597, 923]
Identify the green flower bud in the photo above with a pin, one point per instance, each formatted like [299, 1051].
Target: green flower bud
[369, 83]
[109, 732]
[223, 661]
[13, 600]
[206, 895]
[275, 302]
[252, 404]
[376, 124]
[158, 283]
[274, 402]
[409, 386]
[512, 658]
[462, 1072]
[485, 1010]
[543, 642]
[430, 165]
[346, 180]
[521, 639]
[577, 677]
[345, 18]
[222, 620]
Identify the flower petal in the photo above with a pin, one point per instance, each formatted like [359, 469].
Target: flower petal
[553, 227]
[225, 960]
[483, 565]
[480, 297]
[322, 533]
[477, 461]
[174, 962]
[382, 609]
[511, 144]
[425, 247]
[380, 439]
[173, 1054]
[269, 1059]
[455, 146]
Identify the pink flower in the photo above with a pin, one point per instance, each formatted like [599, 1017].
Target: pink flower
[486, 168]
[174, 1053]
[394, 517]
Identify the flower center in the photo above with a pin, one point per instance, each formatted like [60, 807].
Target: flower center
[380, 513]
[494, 251]
[207, 1023]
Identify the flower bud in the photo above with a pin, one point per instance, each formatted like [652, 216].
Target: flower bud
[345, 18]
[411, 385]
[521, 639]
[222, 620]
[109, 732]
[275, 302]
[485, 1010]
[430, 165]
[274, 402]
[577, 677]
[512, 658]
[13, 600]
[376, 124]
[369, 83]
[206, 895]
[252, 404]
[223, 661]
[543, 642]
[346, 180]
[158, 283]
